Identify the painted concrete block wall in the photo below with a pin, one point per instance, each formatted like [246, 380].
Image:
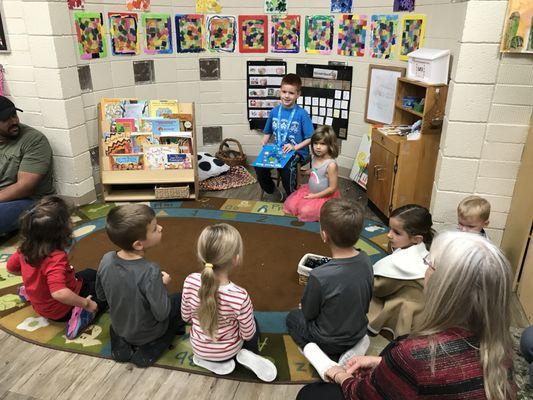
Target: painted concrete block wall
[486, 124]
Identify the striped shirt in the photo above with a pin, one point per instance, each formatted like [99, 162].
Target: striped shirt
[235, 320]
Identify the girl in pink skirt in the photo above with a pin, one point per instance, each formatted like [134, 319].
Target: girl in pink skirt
[305, 203]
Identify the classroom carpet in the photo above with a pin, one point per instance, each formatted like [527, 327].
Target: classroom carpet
[273, 242]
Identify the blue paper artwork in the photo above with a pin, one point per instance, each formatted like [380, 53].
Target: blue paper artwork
[341, 6]
[403, 5]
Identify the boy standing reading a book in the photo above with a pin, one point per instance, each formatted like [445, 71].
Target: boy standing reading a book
[292, 129]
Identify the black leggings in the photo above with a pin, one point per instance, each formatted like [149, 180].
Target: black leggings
[320, 391]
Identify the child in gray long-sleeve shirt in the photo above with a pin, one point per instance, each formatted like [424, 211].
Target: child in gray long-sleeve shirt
[144, 318]
[337, 296]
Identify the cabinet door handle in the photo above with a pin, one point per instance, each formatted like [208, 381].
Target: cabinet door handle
[380, 169]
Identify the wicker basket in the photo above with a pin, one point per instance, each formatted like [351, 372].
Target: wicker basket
[171, 192]
[303, 271]
[230, 156]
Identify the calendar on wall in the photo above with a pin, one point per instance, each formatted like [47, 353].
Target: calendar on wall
[263, 81]
[326, 95]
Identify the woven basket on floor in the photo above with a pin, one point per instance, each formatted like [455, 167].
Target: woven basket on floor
[171, 192]
[230, 156]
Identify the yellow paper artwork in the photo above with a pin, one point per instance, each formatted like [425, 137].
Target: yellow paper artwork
[208, 6]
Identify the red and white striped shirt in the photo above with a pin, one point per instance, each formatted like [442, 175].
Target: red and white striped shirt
[235, 320]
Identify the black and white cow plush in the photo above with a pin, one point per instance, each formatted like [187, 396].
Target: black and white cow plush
[209, 166]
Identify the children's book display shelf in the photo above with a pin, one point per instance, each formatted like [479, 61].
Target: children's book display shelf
[147, 150]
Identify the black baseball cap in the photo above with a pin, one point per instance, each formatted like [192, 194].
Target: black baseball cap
[7, 108]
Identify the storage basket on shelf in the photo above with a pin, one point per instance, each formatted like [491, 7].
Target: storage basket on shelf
[230, 156]
[303, 270]
[172, 192]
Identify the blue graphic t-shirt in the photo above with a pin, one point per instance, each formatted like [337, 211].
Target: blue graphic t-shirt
[301, 126]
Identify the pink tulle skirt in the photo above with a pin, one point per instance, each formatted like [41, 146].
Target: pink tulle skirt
[307, 210]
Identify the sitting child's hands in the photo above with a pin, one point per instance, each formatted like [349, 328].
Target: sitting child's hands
[311, 196]
[166, 278]
[288, 147]
[91, 305]
[362, 365]
[331, 372]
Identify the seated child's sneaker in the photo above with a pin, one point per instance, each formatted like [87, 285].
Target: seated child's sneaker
[262, 367]
[79, 320]
[217, 367]
[22, 294]
[318, 359]
[359, 349]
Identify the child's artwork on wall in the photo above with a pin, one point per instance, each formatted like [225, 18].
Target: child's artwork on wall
[412, 36]
[359, 172]
[158, 33]
[275, 6]
[141, 5]
[383, 36]
[341, 6]
[352, 35]
[221, 33]
[285, 34]
[124, 33]
[253, 33]
[190, 33]
[518, 31]
[319, 34]
[90, 34]
[403, 5]
[76, 4]
[208, 6]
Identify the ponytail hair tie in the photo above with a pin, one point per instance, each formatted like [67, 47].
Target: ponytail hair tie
[208, 265]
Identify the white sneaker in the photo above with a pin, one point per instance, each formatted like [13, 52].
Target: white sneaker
[359, 349]
[318, 359]
[262, 367]
[217, 367]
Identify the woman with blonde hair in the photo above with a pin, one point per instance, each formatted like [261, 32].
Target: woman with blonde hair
[221, 312]
[462, 347]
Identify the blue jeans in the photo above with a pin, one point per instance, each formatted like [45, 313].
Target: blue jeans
[10, 212]
[526, 348]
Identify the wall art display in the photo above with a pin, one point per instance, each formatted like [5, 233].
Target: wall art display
[403, 5]
[253, 33]
[383, 36]
[285, 33]
[319, 34]
[221, 33]
[518, 31]
[4, 47]
[76, 4]
[275, 6]
[158, 33]
[141, 5]
[263, 80]
[341, 6]
[352, 35]
[124, 33]
[90, 34]
[189, 33]
[326, 95]
[412, 34]
[208, 6]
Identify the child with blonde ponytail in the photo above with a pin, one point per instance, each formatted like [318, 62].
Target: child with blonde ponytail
[221, 313]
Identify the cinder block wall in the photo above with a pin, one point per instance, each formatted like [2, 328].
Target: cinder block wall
[488, 112]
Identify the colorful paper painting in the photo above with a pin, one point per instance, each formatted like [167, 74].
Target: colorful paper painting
[352, 35]
[190, 33]
[403, 5]
[76, 4]
[253, 33]
[221, 33]
[158, 33]
[275, 6]
[341, 6]
[518, 31]
[285, 34]
[90, 34]
[383, 36]
[413, 30]
[124, 33]
[319, 34]
[208, 6]
[141, 5]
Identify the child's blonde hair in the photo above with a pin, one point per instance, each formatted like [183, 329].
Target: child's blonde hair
[474, 206]
[218, 247]
[326, 134]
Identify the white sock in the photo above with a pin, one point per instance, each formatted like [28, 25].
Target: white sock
[217, 367]
[318, 359]
[262, 367]
[359, 349]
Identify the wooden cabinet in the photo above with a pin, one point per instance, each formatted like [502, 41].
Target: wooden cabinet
[401, 171]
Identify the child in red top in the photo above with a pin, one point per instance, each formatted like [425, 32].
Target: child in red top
[55, 291]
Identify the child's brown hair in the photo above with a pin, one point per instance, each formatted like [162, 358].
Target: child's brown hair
[326, 134]
[474, 206]
[293, 80]
[342, 220]
[128, 223]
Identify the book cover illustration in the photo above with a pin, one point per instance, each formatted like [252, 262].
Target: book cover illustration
[160, 126]
[126, 162]
[272, 156]
[159, 108]
[184, 144]
[140, 139]
[166, 157]
[117, 143]
[123, 125]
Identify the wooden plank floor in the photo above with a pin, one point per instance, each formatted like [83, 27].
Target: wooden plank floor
[30, 372]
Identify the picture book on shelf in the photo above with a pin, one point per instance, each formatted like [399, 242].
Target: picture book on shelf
[140, 139]
[135, 108]
[159, 108]
[272, 156]
[123, 125]
[166, 157]
[126, 162]
[159, 126]
[184, 143]
[116, 143]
